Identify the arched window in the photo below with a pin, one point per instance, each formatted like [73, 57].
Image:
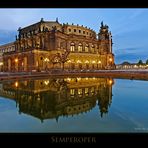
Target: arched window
[9, 64]
[41, 61]
[72, 47]
[72, 92]
[86, 48]
[24, 63]
[87, 64]
[92, 48]
[80, 92]
[80, 47]
[86, 90]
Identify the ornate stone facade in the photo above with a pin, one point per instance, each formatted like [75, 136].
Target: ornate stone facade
[50, 45]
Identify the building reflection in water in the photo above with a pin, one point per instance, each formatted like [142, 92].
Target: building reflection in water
[55, 97]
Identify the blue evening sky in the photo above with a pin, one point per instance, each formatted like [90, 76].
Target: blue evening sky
[129, 27]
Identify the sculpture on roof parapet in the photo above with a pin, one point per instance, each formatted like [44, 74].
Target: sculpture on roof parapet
[102, 24]
[42, 20]
[57, 20]
[19, 28]
[16, 37]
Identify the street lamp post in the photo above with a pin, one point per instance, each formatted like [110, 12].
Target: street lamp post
[37, 64]
[16, 86]
[1, 66]
[46, 60]
[63, 57]
[69, 64]
[110, 60]
[99, 62]
[16, 64]
[22, 66]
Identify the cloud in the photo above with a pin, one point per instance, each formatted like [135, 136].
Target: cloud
[7, 36]
[128, 26]
[131, 55]
[136, 13]
[133, 20]
[12, 19]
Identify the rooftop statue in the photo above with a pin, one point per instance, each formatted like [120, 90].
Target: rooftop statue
[102, 24]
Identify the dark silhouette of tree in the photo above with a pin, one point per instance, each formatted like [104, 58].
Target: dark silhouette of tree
[60, 58]
[55, 59]
[146, 61]
[140, 62]
[64, 58]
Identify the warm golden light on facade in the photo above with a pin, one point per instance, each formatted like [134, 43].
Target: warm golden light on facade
[16, 84]
[79, 61]
[93, 62]
[69, 61]
[110, 59]
[68, 79]
[80, 91]
[46, 60]
[78, 79]
[110, 82]
[77, 49]
[135, 66]
[1, 63]
[86, 90]
[72, 92]
[46, 82]
[16, 60]
[38, 98]
[86, 61]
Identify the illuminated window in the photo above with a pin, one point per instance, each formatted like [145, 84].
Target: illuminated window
[72, 47]
[92, 89]
[80, 48]
[79, 91]
[86, 48]
[93, 48]
[86, 61]
[72, 92]
[56, 60]
[86, 90]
